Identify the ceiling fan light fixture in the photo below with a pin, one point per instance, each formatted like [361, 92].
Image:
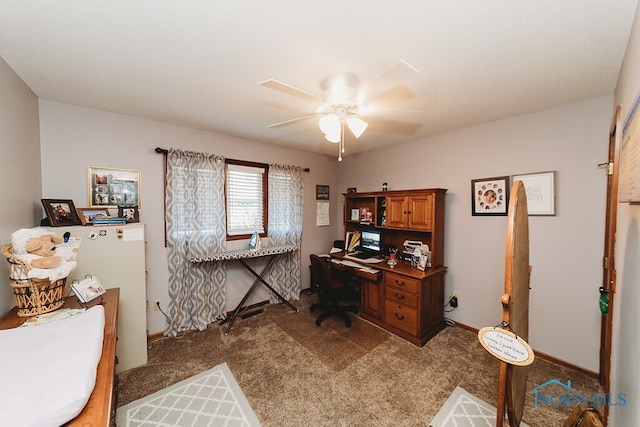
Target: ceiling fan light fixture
[329, 124]
[356, 125]
[333, 136]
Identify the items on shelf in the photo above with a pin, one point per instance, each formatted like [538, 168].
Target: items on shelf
[109, 220]
[352, 241]
[366, 216]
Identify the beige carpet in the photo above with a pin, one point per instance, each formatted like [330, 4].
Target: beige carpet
[294, 373]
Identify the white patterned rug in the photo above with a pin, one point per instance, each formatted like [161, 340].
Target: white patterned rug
[463, 409]
[211, 398]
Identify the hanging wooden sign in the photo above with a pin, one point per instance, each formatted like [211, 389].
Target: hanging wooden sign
[506, 346]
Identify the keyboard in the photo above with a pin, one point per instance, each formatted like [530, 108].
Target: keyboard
[351, 264]
[364, 255]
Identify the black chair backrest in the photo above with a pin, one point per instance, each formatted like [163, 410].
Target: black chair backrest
[320, 270]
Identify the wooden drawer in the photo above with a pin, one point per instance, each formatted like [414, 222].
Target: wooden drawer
[400, 296]
[401, 316]
[401, 282]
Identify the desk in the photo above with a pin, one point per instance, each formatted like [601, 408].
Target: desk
[402, 299]
[241, 255]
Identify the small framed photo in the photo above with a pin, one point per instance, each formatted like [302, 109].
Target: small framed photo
[61, 212]
[110, 188]
[366, 215]
[88, 214]
[490, 196]
[130, 213]
[322, 192]
[540, 189]
[423, 261]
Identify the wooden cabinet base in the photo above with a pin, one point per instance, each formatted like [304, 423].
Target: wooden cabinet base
[100, 408]
[411, 307]
[419, 341]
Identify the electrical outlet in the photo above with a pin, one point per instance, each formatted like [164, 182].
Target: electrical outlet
[453, 302]
[454, 294]
[156, 305]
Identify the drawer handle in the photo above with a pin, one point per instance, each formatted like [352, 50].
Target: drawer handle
[399, 296]
[401, 317]
[399, 282]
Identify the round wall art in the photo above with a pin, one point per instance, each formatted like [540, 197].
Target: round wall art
[490, 196]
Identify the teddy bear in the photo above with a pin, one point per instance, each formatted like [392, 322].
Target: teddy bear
[39, 245]
[44, 246]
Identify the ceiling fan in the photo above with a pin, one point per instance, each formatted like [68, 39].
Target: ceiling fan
[344, 103]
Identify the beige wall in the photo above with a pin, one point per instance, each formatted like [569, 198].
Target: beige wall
[624, 359]
[565, 250]
[19, 165]
[74, 138]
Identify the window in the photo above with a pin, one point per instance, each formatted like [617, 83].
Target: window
[246, 196]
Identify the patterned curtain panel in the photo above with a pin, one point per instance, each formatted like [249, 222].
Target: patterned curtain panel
[196, 226]
[286, 185]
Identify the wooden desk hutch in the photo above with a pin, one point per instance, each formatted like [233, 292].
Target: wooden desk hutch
[402, 299]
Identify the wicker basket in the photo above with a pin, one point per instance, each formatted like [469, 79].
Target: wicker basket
[33, 296]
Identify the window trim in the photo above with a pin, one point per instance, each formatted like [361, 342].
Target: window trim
[265, 196]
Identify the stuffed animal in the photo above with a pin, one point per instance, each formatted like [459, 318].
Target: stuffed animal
[44, 246]
[40, 244]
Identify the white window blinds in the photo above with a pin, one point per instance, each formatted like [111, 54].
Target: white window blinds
[245, 202]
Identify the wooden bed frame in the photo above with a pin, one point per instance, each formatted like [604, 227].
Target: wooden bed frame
[100, 409]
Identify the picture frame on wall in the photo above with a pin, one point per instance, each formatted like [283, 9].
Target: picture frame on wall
[88, 214]
[110, 188]
[129, 213]
[540, 189]
[322, 192]
[61, 212]
[490, 196]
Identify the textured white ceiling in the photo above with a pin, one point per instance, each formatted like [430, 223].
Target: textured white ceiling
[199, 63]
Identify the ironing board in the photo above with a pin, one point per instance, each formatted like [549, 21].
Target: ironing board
[241, 255]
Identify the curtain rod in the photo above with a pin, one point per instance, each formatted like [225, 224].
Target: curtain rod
[165, 151]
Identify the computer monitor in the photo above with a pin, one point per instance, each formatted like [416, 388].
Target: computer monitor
[371, 240]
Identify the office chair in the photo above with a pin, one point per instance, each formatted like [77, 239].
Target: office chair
[334, 289]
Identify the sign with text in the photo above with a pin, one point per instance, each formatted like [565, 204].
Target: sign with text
[506, 346]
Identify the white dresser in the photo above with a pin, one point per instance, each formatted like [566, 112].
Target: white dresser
[116, 257]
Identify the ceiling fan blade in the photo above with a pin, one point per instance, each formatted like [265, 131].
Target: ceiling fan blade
[289, 90]
[290, 121]
[392, 126]
[396, 95]
[400, 71]
[375, 110]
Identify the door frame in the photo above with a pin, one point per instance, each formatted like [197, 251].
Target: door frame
[608, 284]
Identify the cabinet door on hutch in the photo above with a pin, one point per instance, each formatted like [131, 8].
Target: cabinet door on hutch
[420, 212]
[413, 212]
[396, 211]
